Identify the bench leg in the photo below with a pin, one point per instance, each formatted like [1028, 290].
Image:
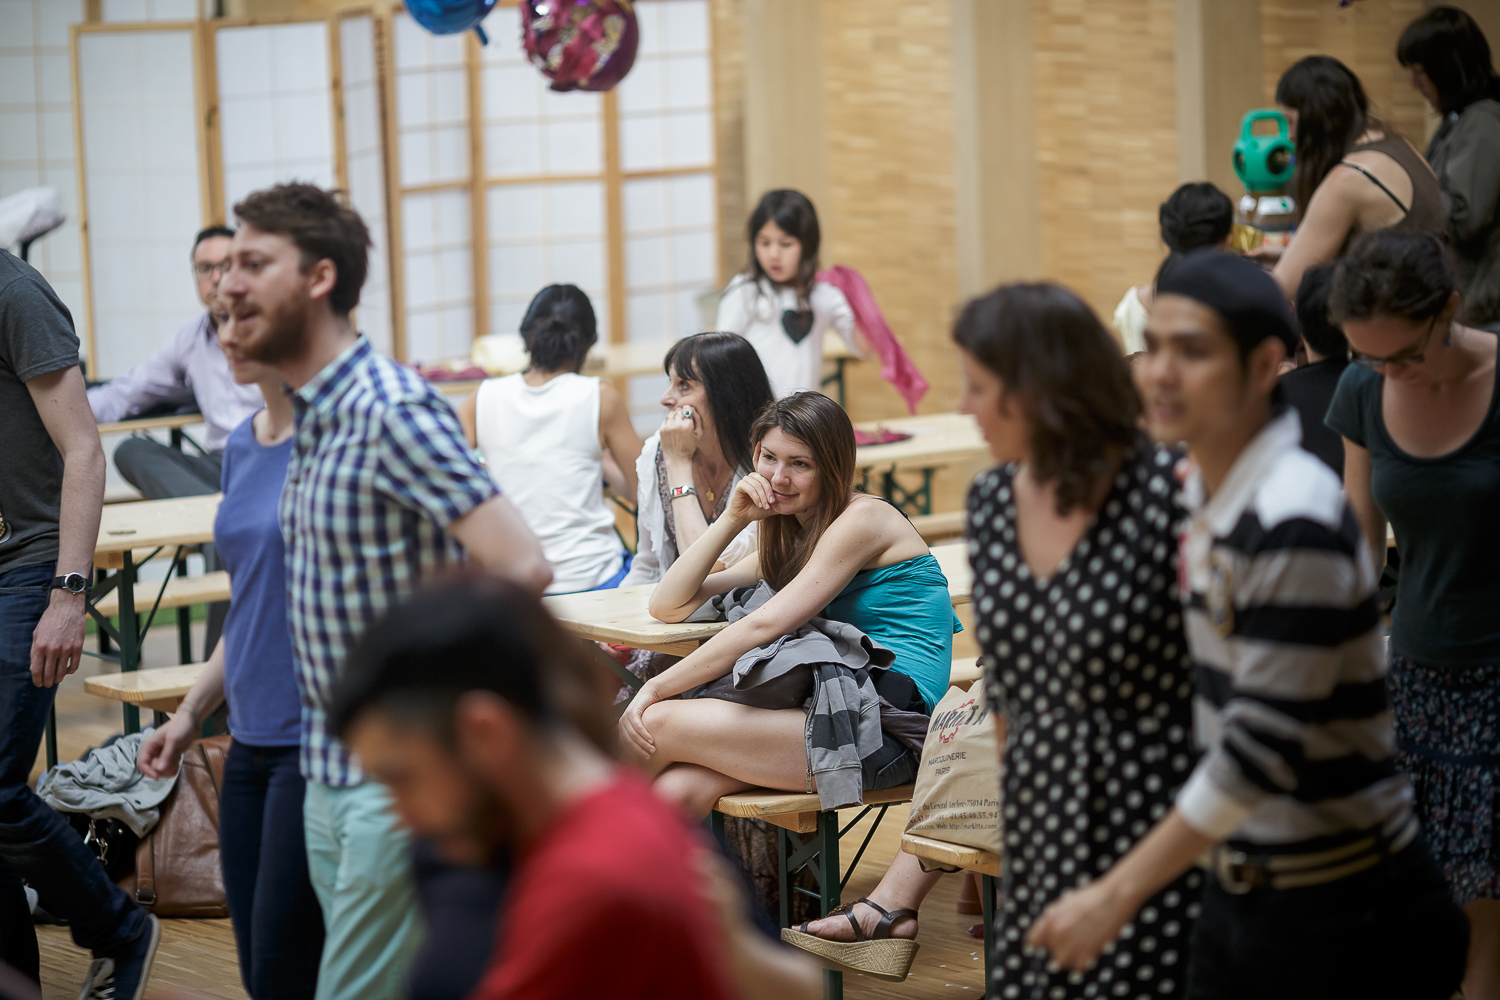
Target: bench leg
[130, 636]
[830, 888]
[987, 885]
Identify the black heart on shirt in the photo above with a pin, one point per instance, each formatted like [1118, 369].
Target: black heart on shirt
[797, 324]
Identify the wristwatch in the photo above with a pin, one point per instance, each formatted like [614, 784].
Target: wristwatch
[73, 583]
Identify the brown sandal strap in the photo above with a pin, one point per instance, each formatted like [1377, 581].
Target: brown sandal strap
[883, 929]
[844, 910]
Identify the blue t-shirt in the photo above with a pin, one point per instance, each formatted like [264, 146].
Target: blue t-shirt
[265, 708]
[906, 608]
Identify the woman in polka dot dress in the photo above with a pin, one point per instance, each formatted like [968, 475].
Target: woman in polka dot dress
[1072, 540]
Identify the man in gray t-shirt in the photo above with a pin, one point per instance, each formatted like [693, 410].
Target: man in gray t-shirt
[51, 491]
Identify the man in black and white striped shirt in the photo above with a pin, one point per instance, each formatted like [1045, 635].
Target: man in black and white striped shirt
[1322, 886]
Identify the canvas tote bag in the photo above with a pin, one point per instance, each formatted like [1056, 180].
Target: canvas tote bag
[957, 794]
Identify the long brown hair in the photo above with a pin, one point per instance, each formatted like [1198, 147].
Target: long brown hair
[822, 425]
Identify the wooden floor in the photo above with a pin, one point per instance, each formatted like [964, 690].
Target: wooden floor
[197, 957]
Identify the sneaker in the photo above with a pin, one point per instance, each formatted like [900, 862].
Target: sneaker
[123, 976]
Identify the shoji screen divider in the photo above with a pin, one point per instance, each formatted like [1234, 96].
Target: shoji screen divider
[176, 121]
[142, 183]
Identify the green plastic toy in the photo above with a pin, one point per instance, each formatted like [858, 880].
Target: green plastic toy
[1263, 162]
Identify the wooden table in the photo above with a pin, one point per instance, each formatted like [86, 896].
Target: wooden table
[936, 440]
[175, 424]
[620, 617]
[130, 534]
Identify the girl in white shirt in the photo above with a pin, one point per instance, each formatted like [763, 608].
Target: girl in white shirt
[778, 304]
[543, 433]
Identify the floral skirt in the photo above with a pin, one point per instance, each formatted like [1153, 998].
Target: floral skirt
[1448, 741]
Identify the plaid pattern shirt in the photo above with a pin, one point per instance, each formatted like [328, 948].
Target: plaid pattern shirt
[379, 471]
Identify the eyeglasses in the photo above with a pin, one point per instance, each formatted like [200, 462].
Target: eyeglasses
[203, 268]
[1413, 355]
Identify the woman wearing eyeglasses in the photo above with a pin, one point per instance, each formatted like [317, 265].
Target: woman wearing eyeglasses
[1420, 417]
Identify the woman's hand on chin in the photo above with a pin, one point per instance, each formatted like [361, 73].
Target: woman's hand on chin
[634, 737]
[680, 433]
[752, 499]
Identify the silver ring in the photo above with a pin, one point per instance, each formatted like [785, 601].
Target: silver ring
[687, 411]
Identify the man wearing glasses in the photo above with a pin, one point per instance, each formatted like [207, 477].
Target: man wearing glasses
[187, 370]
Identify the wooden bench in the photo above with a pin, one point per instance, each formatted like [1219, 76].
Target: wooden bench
[795, 811]
[973, 859]
[938, 527]
[180, 591]
[160, 689]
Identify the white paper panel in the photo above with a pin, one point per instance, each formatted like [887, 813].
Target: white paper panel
[366, 172]
[670, 253]
[140, 160]
[544, 234]
[529, 129]
[666, 101]
[147, 10]
[432, 105]
[275, 115]
[36, 130]
[438, 272]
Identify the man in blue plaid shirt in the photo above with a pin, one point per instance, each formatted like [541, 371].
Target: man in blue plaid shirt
[382, 493]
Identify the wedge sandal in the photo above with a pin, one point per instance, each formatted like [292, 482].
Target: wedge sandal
[879, 955]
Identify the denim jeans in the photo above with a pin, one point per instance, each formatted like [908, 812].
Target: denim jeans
[36, 843]
[278, 925]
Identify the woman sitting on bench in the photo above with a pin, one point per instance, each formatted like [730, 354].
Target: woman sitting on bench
[828, 551]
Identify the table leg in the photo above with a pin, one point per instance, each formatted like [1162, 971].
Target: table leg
[184, 623]
[52, 737]
[176, 434]
[830, 889]
[987, 884]
[917, 501]
[100, 576]
[130, 636]
[837, 378]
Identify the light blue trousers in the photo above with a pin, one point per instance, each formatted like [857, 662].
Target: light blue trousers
[360, 864]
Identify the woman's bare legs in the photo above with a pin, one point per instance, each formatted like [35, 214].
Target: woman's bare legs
[903, 887]
[1482, 980]
[707, 748]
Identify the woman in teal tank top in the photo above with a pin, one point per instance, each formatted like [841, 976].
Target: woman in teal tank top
[906, 609]
[828, 552]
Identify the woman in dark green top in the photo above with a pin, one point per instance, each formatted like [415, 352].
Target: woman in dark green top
[1420, 417]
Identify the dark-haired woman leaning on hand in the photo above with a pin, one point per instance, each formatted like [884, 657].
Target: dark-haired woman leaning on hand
[1420, 416]
[1354, 175]
[1449, 59]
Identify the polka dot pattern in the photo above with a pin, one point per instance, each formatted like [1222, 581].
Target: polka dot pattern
[1091, 671]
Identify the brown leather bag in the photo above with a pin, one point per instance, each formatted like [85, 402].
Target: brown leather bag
[177, 871]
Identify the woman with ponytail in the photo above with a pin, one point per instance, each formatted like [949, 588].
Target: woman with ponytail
[1196, 215]
[543, 433]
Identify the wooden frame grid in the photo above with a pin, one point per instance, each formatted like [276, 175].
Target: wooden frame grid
[213, 208]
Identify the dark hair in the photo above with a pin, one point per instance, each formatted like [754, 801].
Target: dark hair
[1453, 52]
[208, 233]
[794, 215]
[1049, 349]
[471, 632]
[1195, 215]
[1404, 275]
[735, 382]
[822, 425]
[1312, 314]
[322, 226]
[1332, 113]
[559, 328]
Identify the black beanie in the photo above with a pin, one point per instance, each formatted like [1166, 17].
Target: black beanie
[1246, 298]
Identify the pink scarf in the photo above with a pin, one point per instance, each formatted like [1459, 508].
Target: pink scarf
[896, 366]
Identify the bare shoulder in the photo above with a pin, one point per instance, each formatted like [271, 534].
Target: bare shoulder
[609, 396]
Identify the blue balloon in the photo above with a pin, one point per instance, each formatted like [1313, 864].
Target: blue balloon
[450, 17]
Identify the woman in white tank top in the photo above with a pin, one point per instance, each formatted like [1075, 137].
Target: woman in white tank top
[543, 433]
